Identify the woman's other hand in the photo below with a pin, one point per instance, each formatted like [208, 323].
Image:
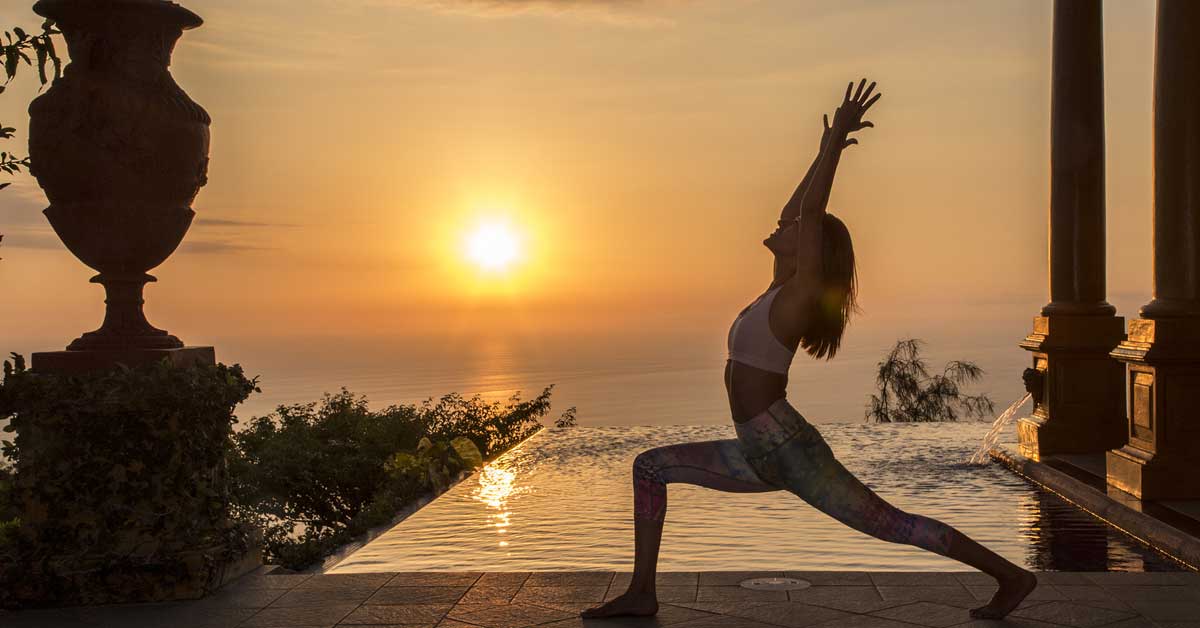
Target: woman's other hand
[849, 116]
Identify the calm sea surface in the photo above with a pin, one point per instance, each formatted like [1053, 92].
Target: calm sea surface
[616, 378]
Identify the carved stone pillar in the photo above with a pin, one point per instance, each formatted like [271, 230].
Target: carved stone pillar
[1081, 401]
[1162, 458]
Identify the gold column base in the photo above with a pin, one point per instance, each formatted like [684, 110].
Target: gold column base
[1082, 401]
[1161, 459]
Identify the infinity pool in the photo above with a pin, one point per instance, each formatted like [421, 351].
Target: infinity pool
[563, 501]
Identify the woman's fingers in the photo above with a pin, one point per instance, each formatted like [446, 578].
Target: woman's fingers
[866, 125]
[849, 86]
[850, 142]
[871, 102]
[826, 116]
[867, 94]
[858, 92]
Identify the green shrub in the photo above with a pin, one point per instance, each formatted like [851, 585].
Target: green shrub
[119, 478]
[314, 476]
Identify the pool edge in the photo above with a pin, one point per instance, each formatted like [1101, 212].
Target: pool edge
[1159, 535]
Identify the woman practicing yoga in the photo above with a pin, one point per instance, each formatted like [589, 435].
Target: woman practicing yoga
[807, 305]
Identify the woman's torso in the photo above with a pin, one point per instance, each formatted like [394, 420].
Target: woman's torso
[753, 380]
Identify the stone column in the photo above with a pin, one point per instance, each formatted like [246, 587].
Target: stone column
[1079, 407]
[1162, 458]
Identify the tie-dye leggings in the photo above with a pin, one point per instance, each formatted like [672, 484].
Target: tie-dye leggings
[779, 450]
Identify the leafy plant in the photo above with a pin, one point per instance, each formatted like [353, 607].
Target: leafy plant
[119, 480]
[315, 476]
[909, 393]
[15, 47]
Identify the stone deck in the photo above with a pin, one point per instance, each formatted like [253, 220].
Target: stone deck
[689, 600]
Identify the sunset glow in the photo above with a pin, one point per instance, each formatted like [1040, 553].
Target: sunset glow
[493, 246]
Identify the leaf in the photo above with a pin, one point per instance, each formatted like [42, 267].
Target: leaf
[20, 33]
[10, 62]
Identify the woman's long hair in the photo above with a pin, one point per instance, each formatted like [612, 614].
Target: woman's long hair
[838, 298]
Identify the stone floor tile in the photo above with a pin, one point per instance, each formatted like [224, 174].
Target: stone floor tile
[452, 623]
[346, 580]
[177, 616]
[1166, 610]
[569, 578]
[296, 617]
[417, 595]
[1176, 624]
[1136, 578]
[1136, 622]
[1043, 592]
[788, 614]
[727, 578]
[300, 598]
[823, 578]
[732, 593]
[665, 594]
[722, 621]
[1063, 577]
[1083, 592]
[669, 579]
[568, 598]
[512, 616]
[956, 595]
[416, 614]
[851, 599]
[489, 595]
[862, 621]
[668, 615]
[279, 581]
[974, 579]
[503, 579]
[1072, 614]
[242, 598]
[1007, 622]
[434, 579]
[913, 579]
[1138, 592]
[926, 614]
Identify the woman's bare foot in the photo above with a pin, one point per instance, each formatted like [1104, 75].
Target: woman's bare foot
[628, 604]
[1008, 596]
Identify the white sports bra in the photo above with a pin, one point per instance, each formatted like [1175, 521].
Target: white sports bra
[751, 340]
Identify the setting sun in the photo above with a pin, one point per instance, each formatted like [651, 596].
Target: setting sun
[492, 246]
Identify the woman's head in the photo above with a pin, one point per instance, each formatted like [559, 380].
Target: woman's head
[837, 297]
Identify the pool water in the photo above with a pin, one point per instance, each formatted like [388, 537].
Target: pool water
[563, 501]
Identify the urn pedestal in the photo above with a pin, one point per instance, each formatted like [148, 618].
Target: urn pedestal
[121, 152]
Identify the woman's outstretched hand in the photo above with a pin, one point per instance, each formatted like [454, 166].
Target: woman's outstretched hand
[849, 116]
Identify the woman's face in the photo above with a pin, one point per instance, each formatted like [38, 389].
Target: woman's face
[783, 241]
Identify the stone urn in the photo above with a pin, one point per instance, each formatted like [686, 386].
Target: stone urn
[121, 152]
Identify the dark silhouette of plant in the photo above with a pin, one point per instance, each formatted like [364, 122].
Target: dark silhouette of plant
[14, 49]
[908, 393]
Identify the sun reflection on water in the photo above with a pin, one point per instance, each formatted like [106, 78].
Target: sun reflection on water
[496, 486]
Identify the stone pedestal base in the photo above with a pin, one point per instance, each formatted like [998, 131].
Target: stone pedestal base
[78, 362]
[1082, 407]
[1161, 459]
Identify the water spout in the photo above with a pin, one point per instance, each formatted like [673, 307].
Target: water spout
[993, 436]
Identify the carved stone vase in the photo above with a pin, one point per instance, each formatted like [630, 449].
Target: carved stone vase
[121, 152]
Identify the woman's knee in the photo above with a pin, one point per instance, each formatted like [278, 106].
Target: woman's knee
[649, 487]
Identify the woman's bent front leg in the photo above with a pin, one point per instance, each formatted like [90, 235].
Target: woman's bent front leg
[807, 467]
[717, 465]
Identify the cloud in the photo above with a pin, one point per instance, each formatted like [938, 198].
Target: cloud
[206, 247]
[225, 222]
[619, 12]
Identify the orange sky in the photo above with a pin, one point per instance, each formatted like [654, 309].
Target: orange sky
[643, 149]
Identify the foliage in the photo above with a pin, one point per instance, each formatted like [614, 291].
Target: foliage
[14, 50]
[315, 476]
[908, 393]
[8, 508]
[119, 478]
